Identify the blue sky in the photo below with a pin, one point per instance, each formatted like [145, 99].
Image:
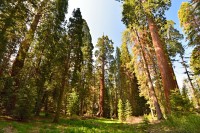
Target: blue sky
[104, 17]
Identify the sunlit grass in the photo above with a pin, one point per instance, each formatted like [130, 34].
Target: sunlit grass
[107, 120]
[175, 124]
[68, 126]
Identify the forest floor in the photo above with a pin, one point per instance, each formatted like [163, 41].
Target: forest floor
[188, 124]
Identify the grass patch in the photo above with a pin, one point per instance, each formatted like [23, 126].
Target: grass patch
[41, 125]
[189, 123]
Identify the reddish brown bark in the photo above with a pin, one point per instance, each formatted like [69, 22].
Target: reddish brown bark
[168, 79]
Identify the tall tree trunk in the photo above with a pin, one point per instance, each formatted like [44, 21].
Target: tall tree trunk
[81, 93]
[19, 61]
[187, 73]
[102, 90]
[168, 79]
[64, 83]
[150, 105]
[159, 84]
[116, 102]
[46, 103]
[25, 44]
[150, 83]
[60, 99]
[81, 106]
[39, 104]
[40, 81]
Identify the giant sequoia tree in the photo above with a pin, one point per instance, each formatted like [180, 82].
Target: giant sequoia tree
[141, 13]
[104, 57]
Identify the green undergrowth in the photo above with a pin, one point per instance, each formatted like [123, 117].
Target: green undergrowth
[178, 123]
[43, 125]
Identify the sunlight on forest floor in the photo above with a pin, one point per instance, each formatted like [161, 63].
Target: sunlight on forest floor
[175, 124]
[45, 125]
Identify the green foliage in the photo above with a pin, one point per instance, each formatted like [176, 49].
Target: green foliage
[105, 50]
[5, 93]
[121, 115]
[24, 106]
[75, 35]
[87, 68]
[188, 123]
[128, 110]
[189, 14]
[14, 15]
[195, 60]
[172, 39]
[179, 103]
[72, 103]
[62, 6]
[135, 11]
[184, 91]
[125, 55]
[183, 123]
[26, 94]
[130, 82]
